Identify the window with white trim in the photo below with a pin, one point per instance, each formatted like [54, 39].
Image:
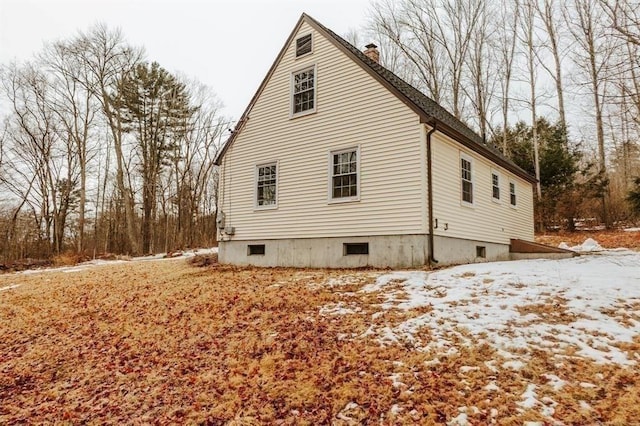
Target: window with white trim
[304, 91]
[266, 185]
[495, 186]
[344, 174]
[303, 45]
[466, 179]
[512, 193]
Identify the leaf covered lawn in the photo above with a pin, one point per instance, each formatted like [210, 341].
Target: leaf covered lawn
[166, 342]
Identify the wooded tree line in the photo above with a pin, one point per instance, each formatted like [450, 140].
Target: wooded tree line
[572, 68]
[103, 151]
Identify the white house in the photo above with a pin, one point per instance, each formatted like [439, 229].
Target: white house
[337, 162]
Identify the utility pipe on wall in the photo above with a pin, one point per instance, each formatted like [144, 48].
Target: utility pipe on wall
[432, 259]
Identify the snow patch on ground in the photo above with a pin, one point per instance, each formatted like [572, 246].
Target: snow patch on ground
[529, 397]
[9, 287]
[100, 262]
[554, 381]
[586, 303]
[589, 245]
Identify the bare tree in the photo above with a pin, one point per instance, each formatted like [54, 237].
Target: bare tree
[105, 58]
[43, 168]
[483, 75]
[505, 45]
[624, 16]
[409, 44]
[75, 109]
[594, 49]
[549, 14]
[527, 37]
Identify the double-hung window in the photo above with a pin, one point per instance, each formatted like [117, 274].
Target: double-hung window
[345, 170]
[266, 185]
[466, 179]
[495, 185]
[304, 91]
[512, 193]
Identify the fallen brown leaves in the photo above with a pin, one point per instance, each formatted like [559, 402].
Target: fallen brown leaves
[607, 239]
[165, 342]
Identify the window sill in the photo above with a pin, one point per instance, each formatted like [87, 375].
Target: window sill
[304, 55]
[343, 200]
[293, 116]
[467, 205]
[496, 200]
[263, 208]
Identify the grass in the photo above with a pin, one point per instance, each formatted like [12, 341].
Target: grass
[169, 342]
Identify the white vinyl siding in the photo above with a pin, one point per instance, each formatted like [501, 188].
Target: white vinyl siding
[488, 220]
[352, 109]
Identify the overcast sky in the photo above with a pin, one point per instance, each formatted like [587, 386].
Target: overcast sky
[228, 45]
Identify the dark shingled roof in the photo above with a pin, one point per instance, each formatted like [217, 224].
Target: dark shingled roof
[429, 111]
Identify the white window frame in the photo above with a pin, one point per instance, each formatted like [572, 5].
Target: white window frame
[469, 159]
[293, 114]
[493, 198]
[514, 194]
[295, 46]
[255, 185]
[330, 198]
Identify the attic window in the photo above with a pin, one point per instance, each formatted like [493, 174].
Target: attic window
[303, 45]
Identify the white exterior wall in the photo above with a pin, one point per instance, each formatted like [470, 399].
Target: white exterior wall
[392, 151]
[485, 220]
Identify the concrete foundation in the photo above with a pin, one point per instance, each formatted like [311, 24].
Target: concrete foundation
[459, 251]
[392, 251]
[552, 256]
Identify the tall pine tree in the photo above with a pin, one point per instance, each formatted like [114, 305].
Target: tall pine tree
[155, 108]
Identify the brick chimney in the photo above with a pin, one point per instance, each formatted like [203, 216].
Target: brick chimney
[372, 52]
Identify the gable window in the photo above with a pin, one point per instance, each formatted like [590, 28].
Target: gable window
[467, 181]
[512, 193]
[304, 91]
[344, 174]
[266, 185]
[303, 45]
[495, 186]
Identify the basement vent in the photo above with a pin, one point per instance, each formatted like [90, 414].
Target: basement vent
[481, 251]
[303, 45]
[255, 249]
[355, 248]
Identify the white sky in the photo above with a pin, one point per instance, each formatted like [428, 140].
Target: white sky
[228, 45]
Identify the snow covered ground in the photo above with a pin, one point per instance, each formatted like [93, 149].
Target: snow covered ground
[587, 307]
[591, 303]
[99, 262]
